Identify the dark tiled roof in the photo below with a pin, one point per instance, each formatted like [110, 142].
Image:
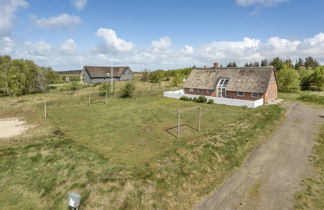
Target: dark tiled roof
[105, 71]
[250, 79]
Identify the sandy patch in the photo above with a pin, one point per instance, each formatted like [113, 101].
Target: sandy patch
[12, 127]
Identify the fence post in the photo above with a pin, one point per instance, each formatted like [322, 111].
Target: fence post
[199, 117]
[45, 110]
[178, 125]
[89, 100]
[106, 96]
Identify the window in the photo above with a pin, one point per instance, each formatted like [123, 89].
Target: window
[200, 90]
[221, 86]
[210, 91]
[255, 95]
[240, 94]
[191, 90]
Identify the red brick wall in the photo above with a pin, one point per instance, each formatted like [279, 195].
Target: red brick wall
[204, 93]
[272, 92]
[247, 96]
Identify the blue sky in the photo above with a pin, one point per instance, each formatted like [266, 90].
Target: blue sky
[161, 33]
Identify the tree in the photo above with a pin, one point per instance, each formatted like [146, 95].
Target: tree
[178, 78]
[311, 63]
[288, 78]
[128, 90]
[304, 76]
[20, 77]
[317, 78]
[157, 76]
[300, 63]
[277, 63]
[264, 62]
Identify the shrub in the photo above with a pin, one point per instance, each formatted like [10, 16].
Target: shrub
[73, 86]
[128, 90]
[200, 99]
[185, 98]
[210, 101]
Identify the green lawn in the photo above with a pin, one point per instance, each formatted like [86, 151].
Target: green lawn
[119, 155]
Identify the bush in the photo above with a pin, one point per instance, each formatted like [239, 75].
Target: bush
[210, 101]
[128, 90]
[200, 99]
[74, 86]
[185, 98]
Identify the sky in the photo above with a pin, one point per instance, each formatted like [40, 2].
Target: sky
[160, 34]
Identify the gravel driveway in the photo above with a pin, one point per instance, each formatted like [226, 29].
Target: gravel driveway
[274, 171]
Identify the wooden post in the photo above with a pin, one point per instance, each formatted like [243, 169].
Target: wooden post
[45, 110]
[106, 96]
[199, 117]
[89, 100]
[178, 125]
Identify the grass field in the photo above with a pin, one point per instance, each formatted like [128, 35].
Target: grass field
[123, 155]
[312, 195]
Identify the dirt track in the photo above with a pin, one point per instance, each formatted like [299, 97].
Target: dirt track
[275, 170]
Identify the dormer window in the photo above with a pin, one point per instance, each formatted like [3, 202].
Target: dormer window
[221, 86]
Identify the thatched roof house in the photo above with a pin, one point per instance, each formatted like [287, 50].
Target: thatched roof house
[249, 83]
[100, 74]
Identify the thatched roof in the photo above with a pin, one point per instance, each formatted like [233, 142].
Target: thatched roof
[105, 71]
[250, 79]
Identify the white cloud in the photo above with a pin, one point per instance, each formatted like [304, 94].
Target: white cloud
[68, 46]
[266, 3]
[112, 42]
[6, 46]
[8, 8]
[67, 55]
[61, 22]
[187, 50]
[162, 44]
[79, 4]
[40, 48]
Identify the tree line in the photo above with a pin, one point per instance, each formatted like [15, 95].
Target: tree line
[176, 76]
[20, 77]
[304, 74]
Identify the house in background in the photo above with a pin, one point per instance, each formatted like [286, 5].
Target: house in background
[249, 86]
[248, 83]
[103, 74]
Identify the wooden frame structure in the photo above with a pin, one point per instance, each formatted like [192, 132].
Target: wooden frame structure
[179, 118]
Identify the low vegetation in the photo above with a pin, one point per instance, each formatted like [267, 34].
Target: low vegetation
[123, 154]
[312, 196]
[312, 99]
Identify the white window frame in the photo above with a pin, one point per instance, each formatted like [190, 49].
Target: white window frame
[221, 87]
[210, 91]
[255, 96]
[191, 90]
[200, 90]
[240, 95]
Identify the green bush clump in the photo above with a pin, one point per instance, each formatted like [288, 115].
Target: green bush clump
[185, 98]
[200, 99]
[128, 90]
[210, 101]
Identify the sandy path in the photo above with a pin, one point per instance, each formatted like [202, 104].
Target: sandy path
[274, 171]
[12, 127]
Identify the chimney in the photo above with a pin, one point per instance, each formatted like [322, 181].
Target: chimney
[216, 65]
